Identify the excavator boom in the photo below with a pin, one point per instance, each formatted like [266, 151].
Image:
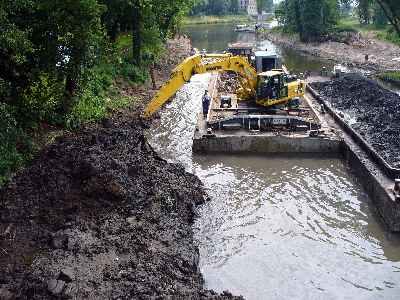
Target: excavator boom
[200, 64]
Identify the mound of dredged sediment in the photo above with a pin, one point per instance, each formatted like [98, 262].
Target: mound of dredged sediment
[100, 215]
[376, 111]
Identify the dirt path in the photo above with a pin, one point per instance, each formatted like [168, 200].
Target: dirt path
[99, 215]
[382, 55]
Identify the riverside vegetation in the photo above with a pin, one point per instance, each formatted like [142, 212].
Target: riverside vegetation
[60, 61]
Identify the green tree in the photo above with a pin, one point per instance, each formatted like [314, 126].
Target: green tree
[218, 7]
[364, 10]
[214, 7]
[392, 12]
[265, 5]
[380, 19]
[311, 19]
[50, 38]
[234, 6]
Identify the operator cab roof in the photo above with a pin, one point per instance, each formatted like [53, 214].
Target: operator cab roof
[240, 45]
[264, 53]
[271, 73]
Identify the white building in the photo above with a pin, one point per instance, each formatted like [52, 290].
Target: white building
[249, 5]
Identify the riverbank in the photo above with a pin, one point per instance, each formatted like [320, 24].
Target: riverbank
[99, 215]
[382, 56]
[233, 19]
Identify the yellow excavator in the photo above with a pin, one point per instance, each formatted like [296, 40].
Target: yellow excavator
[270, 88]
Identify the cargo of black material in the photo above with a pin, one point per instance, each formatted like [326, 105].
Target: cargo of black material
[375, 111]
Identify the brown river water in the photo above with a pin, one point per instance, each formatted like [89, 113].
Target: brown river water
[279, 227]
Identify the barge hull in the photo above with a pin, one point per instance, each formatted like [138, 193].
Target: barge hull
[265, 144]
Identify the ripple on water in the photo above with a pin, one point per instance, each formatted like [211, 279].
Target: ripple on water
[277, 225]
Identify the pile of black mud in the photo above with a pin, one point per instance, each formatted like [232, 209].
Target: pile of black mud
[376, 110]
[100, 215]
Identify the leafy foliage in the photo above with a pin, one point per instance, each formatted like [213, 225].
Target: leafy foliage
[313, 19]
[58, 59]
[216, 7]
[15, 147]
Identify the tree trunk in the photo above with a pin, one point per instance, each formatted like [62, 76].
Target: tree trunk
[389, 12]
[114, 32]
[70, 89]
[136, 35]
[153, 76]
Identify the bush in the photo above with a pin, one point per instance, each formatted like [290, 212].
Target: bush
[40, 101]
[90, 104]
[132, 73]
[344, 29]
[390, 76]
[390, 36]
[4, 89]
[15, 148]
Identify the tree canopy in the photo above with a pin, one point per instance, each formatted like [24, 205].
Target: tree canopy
[215, 7]
[314, 19]
[58, 57]
[54, 42]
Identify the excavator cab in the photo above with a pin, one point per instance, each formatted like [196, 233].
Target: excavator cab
[265, 61]
[276, 87]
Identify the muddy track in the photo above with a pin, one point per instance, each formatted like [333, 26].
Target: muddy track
[376, 111]
[99, 215]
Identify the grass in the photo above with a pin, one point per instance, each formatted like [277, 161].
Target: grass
[123, 42]
[353, 24]
[217, 19]
[118, 102]
[392, 76]
[389, 36]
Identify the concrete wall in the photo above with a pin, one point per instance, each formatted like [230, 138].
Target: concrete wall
[371, 179]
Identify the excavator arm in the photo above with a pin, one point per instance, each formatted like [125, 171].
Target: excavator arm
[200, 64]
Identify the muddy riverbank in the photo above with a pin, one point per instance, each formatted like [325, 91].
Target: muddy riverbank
[372, 111]
[349, 51]
[99, 215]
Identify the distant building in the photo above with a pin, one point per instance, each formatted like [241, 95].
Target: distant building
[249, 5]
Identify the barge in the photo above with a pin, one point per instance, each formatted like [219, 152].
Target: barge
[231, 126]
